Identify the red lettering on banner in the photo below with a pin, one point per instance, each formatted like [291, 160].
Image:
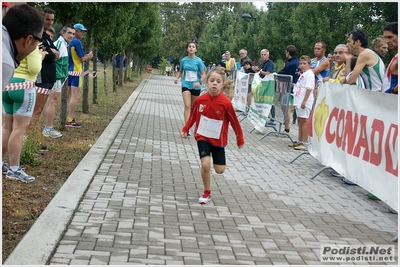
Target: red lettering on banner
[392, 165]
[350, 130]
[362, 140]
[330, 137]
[377, 129]
[340, 125]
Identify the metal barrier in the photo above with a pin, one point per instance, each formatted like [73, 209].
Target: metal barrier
[281, 105]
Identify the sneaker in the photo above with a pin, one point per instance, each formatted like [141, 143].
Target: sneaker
[52, 133]
[189, 133]
[301, 147]
[336, 174]
[73, 124]
[294, 144]
[348, 182]
[20, 175]
[4, 168]
[205, 198]
[271, 123]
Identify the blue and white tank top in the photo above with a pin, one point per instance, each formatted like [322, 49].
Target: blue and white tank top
[322, 74]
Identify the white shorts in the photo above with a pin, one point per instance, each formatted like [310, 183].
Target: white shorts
[57, 86]
[303, 112]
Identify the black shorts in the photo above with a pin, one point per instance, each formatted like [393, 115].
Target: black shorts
[218, 153]
[194, 92]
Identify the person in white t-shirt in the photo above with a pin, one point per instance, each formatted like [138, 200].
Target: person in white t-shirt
[303, 93]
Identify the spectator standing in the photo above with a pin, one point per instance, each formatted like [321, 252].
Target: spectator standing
[18, 108]
[391, 36]
[222, 62]
[22, 31]
[117, 66]
[339, 66]
[266, 68]
[248, 68]
[331, 59]
[369, 65]
[213, 109]
[320, 64]
[76, 57]
[47, 76]
[291, 68]
[359, 81]
[243, 56]
[303, 101]
[192, 71]
[380, 46]
[67, 34]
[230, 63]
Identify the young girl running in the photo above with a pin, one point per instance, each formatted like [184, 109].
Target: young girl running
[212, 112]
[192, 71]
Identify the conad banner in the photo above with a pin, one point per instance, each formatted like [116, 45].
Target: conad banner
[241, 84]
[263, 91]
[355, 131]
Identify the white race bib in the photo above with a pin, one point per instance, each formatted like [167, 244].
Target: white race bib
[191, 76]
[209, 128]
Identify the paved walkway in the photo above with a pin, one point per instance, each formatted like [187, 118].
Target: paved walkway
[141, 208]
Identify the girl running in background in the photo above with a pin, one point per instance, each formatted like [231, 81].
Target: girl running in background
[192, 71]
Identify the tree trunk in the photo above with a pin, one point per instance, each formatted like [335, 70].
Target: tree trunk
[105, 76]
[126, 72]
[121, 70]
[114, 71]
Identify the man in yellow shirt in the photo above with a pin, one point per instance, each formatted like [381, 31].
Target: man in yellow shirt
[339, 66]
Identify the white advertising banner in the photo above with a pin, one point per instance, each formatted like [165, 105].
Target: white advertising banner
[239, 100]
[355, 131]
[263, 91]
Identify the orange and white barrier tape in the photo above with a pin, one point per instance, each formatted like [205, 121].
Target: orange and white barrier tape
[85, 73]
[42, 91]
[19, 86]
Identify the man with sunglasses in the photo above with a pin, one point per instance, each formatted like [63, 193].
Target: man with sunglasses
[22, 32]
[22, 26]
[339, 66]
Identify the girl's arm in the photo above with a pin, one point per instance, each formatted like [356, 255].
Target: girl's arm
[237, 128]
[178, 76]
[191, 120]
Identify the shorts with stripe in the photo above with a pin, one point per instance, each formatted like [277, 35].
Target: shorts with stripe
[20, 102]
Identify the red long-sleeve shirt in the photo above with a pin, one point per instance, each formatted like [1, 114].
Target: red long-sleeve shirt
[218, 108]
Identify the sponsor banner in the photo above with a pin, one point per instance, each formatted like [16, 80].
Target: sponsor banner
[355, 131]
[239, 100]
[263, 91]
